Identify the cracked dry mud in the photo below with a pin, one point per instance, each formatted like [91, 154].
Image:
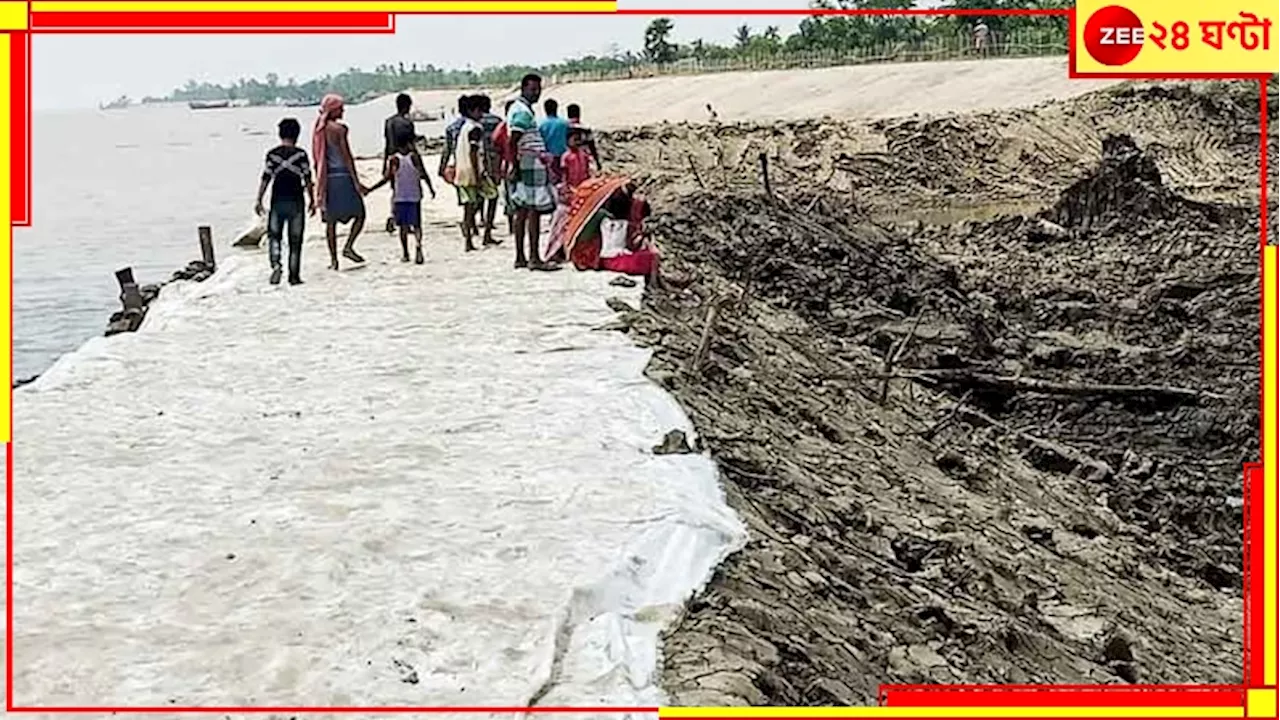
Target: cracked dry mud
[1046, 488]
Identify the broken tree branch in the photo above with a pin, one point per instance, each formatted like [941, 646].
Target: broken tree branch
[694, 169]
[1046, 387]
[891, 359]
[932, 432]
[704, 342]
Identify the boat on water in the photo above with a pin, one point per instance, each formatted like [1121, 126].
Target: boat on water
[425, 116]
[119, 103]
[208, 104]
[302, 103]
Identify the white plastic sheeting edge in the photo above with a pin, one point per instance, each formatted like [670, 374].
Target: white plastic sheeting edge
[396, 485]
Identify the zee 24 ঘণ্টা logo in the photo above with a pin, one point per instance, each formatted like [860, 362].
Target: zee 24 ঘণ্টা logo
[1114, 35]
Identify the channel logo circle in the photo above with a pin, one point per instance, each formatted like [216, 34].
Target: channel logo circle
[1113, 35]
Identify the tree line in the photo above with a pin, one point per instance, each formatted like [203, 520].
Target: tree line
[850, 33]
[817, 33]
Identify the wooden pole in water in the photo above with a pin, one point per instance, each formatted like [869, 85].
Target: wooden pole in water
[206, 245]
[130, 296]
[124, 276]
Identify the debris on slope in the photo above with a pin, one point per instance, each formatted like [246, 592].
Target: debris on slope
[986, 451]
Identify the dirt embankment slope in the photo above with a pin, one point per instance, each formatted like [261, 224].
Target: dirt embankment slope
[862, 91]
[981, 387]
[859, 91]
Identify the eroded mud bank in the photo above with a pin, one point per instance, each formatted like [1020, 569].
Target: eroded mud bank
[980, 385]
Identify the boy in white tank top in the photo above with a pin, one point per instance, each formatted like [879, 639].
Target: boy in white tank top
[406, 173]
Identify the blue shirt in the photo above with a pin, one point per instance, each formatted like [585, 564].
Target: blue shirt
[555, 135]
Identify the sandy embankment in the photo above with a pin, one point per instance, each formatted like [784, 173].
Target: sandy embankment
[862, 91]
[392, 485]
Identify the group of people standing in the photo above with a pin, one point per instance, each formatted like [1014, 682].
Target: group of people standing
[537, 168]
[531, 165]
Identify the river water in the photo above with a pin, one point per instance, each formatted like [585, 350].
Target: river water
[128, 188]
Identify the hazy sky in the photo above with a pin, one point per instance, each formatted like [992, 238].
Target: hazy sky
[71, 71]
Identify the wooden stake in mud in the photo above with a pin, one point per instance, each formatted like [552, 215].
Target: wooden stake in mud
[206, 245]
[764, 174]
[694, 169]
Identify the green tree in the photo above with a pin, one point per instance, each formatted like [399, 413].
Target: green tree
[1006, 23]
[657, 46]
[849, 32]
[743, 36]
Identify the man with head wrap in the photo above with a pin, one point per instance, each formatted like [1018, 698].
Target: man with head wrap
[340, 193]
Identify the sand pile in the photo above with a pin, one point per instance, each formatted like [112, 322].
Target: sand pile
[1000, 447]
[1127, 193]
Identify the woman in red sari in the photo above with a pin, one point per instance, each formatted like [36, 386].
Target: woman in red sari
[604, 229]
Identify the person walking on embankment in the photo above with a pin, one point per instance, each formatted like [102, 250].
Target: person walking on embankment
[471, 174]
[506, 159]
[489, 122]
[555, 134]
[531, 189]
[405, 172]
[981, 38]
[288, 172]
[451, 137]
[394, 128]
[574, 111]
[341, 195]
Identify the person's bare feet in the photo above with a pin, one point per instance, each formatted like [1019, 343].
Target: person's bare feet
[418, 258]
[521, 263]
[333, 265]
[352, 255]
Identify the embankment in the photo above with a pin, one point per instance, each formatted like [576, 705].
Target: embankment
[393, 485]
[861, 91]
